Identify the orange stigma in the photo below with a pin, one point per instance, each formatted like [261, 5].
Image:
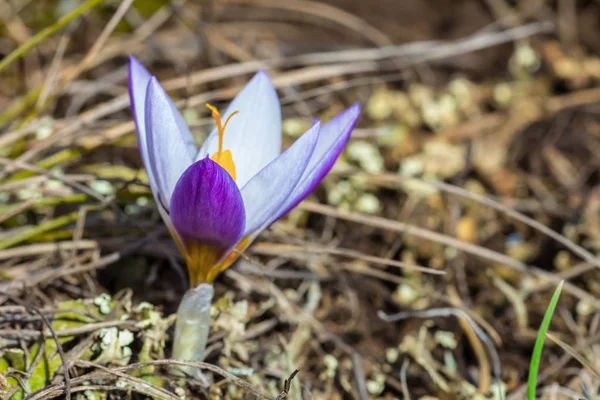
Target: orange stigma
[222, 157]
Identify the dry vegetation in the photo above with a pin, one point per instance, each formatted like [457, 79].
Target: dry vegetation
[469, 190]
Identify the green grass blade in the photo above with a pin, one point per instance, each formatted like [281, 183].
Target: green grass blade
[37, 39]
[534, 366]
[38, 230]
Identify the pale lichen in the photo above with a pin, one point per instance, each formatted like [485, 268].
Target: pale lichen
[103, 302]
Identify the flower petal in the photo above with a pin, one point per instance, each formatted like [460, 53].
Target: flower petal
[254, 135]
[333, 137]
[170, 150]
[267, 191]
[138, 83]
[207, 206]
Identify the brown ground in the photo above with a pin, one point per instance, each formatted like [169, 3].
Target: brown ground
[469, 190]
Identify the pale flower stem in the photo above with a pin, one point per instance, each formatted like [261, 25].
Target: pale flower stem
[193, 326]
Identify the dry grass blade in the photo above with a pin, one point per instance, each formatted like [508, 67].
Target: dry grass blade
[140, 385]
[575, 354]
[469, 248]
[574, 247]
[42, 35]
[321, 10]
[445, 312]
[282, 249]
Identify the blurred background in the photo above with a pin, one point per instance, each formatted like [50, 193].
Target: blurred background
[468, 191]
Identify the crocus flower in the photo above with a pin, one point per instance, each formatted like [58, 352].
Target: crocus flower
[216, 199]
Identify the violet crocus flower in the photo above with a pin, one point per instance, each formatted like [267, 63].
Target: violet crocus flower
[217, 199]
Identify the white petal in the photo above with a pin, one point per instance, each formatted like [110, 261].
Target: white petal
[332, 138]
[254, 135]
[168, 147]
[267, 191]
[139, 78]
[138, 83]
[334, 135]
[186, 135]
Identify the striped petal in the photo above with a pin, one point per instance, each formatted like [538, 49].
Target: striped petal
[254, 135]
[170, 150]
[333, 137]
[207, 207]
[138, 83]
[268, 190]
[139, 78]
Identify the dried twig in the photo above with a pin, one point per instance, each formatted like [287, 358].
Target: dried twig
[286, 386]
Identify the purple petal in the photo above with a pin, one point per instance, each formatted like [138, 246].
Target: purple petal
[268, 190]
[254, 135]
[207, 206]
[169, 149]
[333, 137]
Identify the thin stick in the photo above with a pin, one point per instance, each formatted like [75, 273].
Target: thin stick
[42, 35]
[445, 312]
[449, 241]
[446, 187]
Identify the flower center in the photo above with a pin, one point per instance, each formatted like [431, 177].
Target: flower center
[222, 157]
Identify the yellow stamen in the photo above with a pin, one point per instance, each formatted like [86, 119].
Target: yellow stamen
[222, 157]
